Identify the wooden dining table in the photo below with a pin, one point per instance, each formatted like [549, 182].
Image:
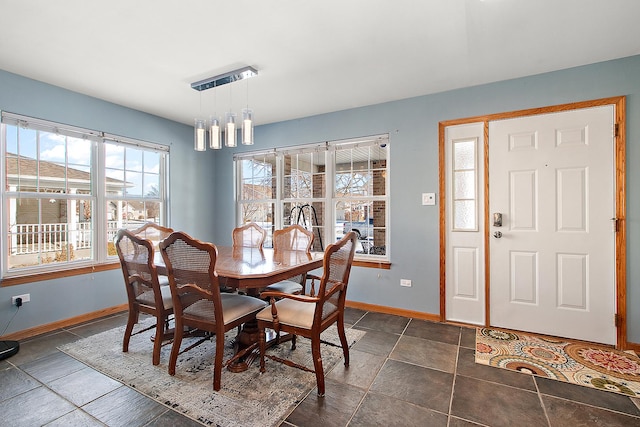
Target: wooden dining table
[254, 269]
[250, 270]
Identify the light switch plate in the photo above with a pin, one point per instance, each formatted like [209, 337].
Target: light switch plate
[428, 199]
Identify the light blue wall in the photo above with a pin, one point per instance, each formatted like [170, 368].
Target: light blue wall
[190, 192]
[202, 183]
[413, 128]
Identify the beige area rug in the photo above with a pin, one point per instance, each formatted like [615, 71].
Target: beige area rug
[581, 363]
[245, 399]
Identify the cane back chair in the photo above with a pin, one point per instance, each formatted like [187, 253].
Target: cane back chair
[250, 235]
[146, 291]
[197, 300]
[292, 238]
[307, 315]
[154, 232]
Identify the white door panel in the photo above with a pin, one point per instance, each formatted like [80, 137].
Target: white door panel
[553, 269]
[465, 272]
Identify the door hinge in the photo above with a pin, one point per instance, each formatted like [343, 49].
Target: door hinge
[616, 130]
[616, 320]
[615, 224]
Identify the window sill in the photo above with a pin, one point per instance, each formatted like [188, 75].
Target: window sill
[385, 265]
[19, 280]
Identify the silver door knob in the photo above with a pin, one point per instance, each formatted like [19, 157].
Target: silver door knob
[497, 234]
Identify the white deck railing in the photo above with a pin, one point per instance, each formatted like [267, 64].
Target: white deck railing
[36, 238]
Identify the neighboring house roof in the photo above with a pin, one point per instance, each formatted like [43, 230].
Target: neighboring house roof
[21, 170]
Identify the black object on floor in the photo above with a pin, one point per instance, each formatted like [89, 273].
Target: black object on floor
[8, 348]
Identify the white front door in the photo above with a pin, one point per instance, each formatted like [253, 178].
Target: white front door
[552, 262]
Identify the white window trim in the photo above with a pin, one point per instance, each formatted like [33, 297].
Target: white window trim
[329, 199]
[98, 195]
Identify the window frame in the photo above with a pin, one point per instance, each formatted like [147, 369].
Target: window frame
[329, 199]
[98, 258]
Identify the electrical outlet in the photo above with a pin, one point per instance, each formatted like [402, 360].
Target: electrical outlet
[25, 298]
[405, 282]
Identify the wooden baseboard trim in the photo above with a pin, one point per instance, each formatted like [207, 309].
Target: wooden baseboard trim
[395, 311]
[37, 330]
[72, 321]
[633, 346]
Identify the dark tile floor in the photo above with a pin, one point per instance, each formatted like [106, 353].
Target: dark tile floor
[403, 372]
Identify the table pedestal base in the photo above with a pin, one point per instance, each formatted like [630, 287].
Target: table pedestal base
[247, 346]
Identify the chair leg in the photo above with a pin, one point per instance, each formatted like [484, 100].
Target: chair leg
[131, 321]
[217, 365]
[157, 342]
[317, 364]
[263, 347]
[293, 341]
[343, 341]
[175, 347]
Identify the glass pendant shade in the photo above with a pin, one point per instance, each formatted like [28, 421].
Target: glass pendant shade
[200, 135]
[230, 130]
[247, 126]
[215, 137]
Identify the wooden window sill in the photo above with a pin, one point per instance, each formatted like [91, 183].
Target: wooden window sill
[385, 265]
[19, 280]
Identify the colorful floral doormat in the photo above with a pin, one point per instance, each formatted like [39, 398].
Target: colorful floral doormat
[586, 364]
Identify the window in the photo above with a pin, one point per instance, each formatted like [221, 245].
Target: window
[304, 195]
[257, 195]
[66, 191]
[329, 188]
[360, 193]
[465, 203]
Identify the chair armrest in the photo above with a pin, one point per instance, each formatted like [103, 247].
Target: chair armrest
[276, 294]
[337, 286]
[274, 307]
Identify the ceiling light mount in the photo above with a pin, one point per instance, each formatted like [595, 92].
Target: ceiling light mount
[223, 79]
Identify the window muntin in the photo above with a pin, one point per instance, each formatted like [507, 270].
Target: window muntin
[52, 186]
[328, 188]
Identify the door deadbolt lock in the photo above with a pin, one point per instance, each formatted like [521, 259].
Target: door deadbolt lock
[497, 234]
[497, 219]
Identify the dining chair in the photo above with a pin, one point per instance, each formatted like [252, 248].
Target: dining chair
[147, 292]
[197, 300]
[307, 315]
[152, 231]
[250, 235]
[294, 237]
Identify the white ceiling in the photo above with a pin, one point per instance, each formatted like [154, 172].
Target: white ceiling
[313, 56]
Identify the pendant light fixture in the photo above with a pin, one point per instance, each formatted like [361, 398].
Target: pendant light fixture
[200, 132]
[230, 130]
[247, 122]
[230, 125]
[247, 126]
[215, 132]
[214, 129]
[200, 135]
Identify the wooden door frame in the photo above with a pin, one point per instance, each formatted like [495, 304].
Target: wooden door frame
[619, 103]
